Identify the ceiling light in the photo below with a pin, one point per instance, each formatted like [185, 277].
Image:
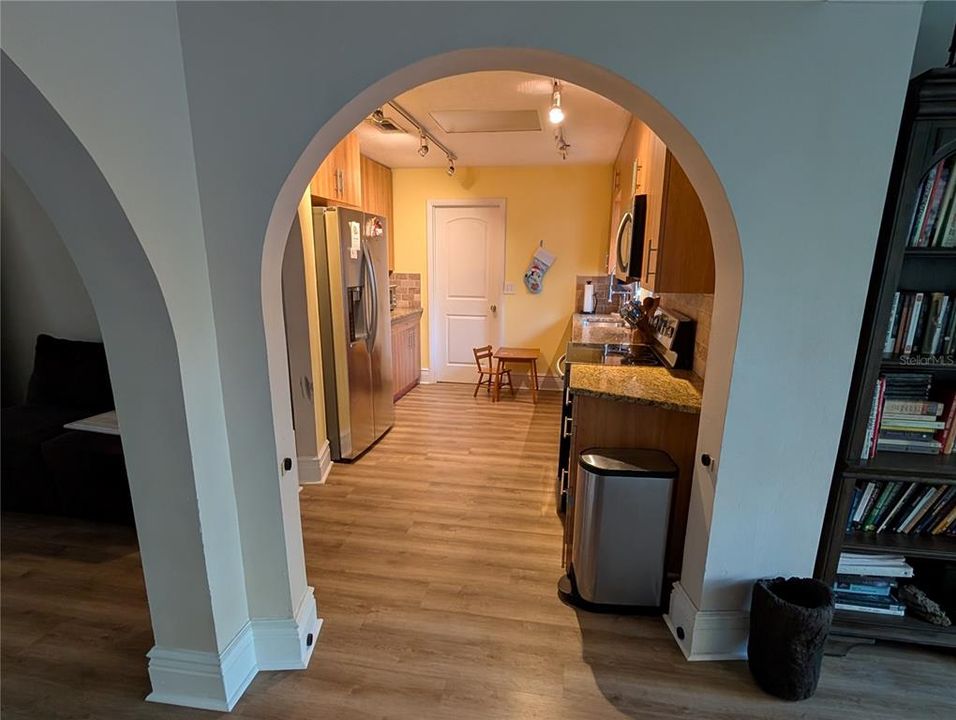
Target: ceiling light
[451, 166]
[422, 145]
[556, 114]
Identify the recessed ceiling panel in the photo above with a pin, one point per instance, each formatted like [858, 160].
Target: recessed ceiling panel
[472, 121]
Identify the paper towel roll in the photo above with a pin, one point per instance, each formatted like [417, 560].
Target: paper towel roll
[588, 306]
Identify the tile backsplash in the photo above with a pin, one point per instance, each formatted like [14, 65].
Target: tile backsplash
[699, 307]
[408, 289]
[601, 304]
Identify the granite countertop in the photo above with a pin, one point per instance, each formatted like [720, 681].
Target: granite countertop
[594, 328]
[678, 390]
[402, 313]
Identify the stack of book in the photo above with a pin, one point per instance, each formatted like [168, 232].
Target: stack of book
[867, 583]
[904, 419]
[933, 220]
[909, 508]
[921, 323]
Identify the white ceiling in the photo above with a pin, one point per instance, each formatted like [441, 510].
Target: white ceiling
[593, 125]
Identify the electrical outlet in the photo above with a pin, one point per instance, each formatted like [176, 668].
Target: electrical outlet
[509, 288]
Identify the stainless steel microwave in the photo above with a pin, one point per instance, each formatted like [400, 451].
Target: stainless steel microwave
[630, 241]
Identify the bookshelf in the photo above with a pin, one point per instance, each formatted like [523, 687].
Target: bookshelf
[902, 266]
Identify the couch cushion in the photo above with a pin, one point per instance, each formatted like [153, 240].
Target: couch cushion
[70, 374]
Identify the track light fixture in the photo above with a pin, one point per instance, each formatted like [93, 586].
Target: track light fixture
[561, 143]
[451, 165]
[422, 144]
[556, 113]
[425, 138]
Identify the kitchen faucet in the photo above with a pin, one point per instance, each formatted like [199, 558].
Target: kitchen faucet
[624, 292]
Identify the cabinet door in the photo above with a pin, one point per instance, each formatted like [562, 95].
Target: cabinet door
[685, 262]
[377, 198]
[415, 353]
[399, 342]
[325, 182]
[654, 178]
[622, 186]
[350, 168]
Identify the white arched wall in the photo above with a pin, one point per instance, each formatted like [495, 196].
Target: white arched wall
[197, 113]
[726, 243]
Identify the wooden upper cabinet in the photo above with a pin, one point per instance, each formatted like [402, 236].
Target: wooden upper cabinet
[339, 179]
[377, 198]
[678, 257]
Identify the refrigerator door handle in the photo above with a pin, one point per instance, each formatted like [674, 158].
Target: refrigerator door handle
[371, 282]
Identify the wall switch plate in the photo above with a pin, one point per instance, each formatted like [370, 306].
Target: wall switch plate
[509, 288]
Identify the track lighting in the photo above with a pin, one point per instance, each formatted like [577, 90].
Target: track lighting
[556, 113]
[451, 165]
[561, 143]
[422, 144]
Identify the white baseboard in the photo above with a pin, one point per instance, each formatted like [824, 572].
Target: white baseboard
[211, 681]
[707, 634]
[205, 680]
[546, 383]
[284, 643]
[315, 470]
[426, 377]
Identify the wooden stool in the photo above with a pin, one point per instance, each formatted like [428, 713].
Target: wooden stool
[494, 375]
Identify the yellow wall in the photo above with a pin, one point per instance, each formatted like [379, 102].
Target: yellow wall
[566, 206]
[312, 304]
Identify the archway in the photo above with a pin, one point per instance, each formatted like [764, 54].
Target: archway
[726, 244]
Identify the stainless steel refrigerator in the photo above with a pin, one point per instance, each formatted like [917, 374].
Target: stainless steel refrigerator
[351, 257]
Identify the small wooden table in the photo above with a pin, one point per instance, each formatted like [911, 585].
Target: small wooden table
[511, 355]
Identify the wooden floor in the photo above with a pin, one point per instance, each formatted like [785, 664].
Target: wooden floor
[435, 559]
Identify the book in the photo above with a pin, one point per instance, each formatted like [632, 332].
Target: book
[869, 522]
[897, 507]
[921, 322]
[935, 200]
[925, 499]
[893, 327]
[949, 417]
[914, 407]
[858, 606]
[949, 336]
[922, 447]
[937, 510]
[943, 524]
[864, 505]
[907, 306]
[874, 565]
[915, 310]
[922, 205]
[864, 585]
[869, 446]
[930, 331]
[940, 330]
[945, 214]
[854, 502]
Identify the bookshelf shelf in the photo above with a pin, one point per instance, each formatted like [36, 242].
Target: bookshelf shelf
[897, 629]
[933, 253]
[927, 546]
[911, 288]
[904, 466]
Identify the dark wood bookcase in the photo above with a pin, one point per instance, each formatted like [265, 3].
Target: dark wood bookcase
[927, 136]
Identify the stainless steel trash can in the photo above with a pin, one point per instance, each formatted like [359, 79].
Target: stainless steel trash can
[622, 504]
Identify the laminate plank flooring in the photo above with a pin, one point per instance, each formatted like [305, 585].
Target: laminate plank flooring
[435, 559]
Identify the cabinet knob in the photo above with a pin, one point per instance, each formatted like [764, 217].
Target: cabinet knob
[494, 308]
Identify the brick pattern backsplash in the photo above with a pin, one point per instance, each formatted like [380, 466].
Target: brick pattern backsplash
[699, 307]
[408, 289]
[601, 304]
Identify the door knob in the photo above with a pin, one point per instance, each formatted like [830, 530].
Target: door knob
[494, 308]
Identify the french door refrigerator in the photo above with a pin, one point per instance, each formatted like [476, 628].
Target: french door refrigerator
[351, 255]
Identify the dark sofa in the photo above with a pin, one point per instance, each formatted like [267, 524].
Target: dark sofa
[47, 469]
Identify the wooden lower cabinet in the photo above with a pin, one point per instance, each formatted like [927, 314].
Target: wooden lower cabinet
[406, 354]
[596, 422]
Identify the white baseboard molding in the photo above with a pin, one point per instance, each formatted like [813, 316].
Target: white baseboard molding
[426, 377]
[546, 383]
[212, 681]
[285, 643]
[707, 634]
[315, 470]
[205, 680]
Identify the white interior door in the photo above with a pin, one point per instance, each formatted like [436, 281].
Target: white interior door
[468, 246]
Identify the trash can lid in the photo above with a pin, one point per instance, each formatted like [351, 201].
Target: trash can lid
[628, 462]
